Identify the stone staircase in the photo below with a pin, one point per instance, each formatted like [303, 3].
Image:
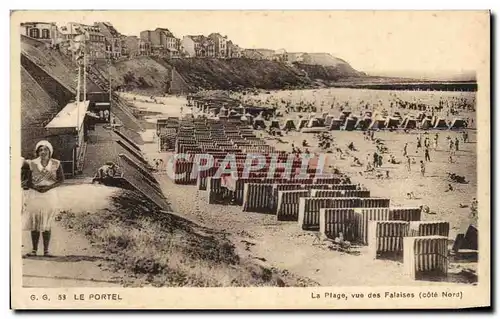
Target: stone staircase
[96, 76]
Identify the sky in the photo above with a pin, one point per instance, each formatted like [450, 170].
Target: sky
[387, 43]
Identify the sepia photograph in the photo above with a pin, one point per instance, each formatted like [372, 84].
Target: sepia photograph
[313, 159]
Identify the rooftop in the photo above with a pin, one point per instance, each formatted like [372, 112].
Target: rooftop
[167, 32]
[217, 35]
[111, 29]
[71, 116]
[36, 22]
[201, 39]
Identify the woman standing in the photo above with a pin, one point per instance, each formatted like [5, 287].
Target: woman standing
[41, 197]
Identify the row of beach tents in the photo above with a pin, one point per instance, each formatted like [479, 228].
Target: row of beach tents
[351, 123]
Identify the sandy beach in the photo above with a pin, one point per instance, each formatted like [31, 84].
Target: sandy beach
[300, 252]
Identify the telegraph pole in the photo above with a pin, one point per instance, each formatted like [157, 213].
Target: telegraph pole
[110, 95]
[85, 69]
[78, 82]
[72, 41]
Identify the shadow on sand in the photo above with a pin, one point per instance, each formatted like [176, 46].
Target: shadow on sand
[68, 258]
[71, 278]
[455, 274]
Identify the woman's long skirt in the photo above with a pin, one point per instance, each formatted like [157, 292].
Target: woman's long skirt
[39, 209]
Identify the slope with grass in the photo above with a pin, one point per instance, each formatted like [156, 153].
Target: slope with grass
[152, 248]
[233, 74]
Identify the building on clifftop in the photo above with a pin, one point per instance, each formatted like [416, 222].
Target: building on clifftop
[233, 50]
[43, 31]
[113, 39]
[221, 48]
[198, 46]
[295, 56]
[280, 56]
[259, 54]
[95, 40]
[162, 42]
[252, 54]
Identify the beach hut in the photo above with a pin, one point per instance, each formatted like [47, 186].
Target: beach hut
[223, 111]
[249, 118]
[377, 124]
[328, 120]
[458, 124]
[363, 124]
[316, 122]
[234, 112]
[425, 124]
[302, 123]
[289, 125]
[245, 119]
[335, 125]
[240, 109]
[469, 241]
[212, 111]
[409, 123]
[392, 122]
[441, 124]
[350, 124]
[434, 121]
[258, 123]
[404, 121]
[275, 124]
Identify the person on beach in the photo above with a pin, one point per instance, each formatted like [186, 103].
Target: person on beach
[107, 172]
[41, 197]
[405, 150]
[422, 168]
[465, 136]
[375, 159]
[408, 165]
[450, 156]
[427, 156]
[451, 144]
[473, 208]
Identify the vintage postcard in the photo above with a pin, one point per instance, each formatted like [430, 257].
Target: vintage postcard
[250, 159]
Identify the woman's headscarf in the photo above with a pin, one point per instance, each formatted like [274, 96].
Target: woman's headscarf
[46, 144]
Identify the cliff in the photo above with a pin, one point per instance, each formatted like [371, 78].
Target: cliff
[329, 73]
[153, 75]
